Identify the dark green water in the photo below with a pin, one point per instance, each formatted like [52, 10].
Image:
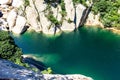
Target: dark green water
[89, 51]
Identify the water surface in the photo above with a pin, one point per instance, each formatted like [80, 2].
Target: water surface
[89, 51]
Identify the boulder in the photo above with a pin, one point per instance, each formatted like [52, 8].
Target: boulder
[20, 25]
[67, 26]
[44, 22]
[17, 3]
[79, 13]
[32, 18]
[69, 7]
[93, 20]
[11, 19]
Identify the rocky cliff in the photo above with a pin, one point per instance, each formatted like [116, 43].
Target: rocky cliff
[11, 71]
[41, 16]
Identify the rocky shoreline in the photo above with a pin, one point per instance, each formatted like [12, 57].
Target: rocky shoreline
[12, 71]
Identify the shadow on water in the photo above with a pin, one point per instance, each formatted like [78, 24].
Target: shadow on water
[36, 63]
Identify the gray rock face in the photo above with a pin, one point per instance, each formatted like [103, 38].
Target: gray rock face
[11, 70]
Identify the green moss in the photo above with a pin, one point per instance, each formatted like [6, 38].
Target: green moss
[63, 12]
[50, 16]
[26, 3]
[47, 71]
[69, 21]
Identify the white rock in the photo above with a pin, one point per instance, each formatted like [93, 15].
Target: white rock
[56, 12]
[67, 26]
[69, 9]
[66, 77]
[40, 5]
[20, 25]
[45, 23]
[11, 19]
[93, 20]
[17, 3]
[32, 18]
[5, 2]
[79, 12]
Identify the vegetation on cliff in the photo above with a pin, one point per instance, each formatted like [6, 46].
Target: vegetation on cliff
[108, 10]
[8, 49]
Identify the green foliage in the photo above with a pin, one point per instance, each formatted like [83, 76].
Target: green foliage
[80, 1]
[63, 12]
[26, 3]
[69, 21]
[108, 10]
[50, 16]
[53, 19]
[47, 71]
[8, 49]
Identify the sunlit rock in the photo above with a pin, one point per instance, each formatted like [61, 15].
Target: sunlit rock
[5, 2]
[17, 3]
[32, 18]
[67, 26]
[11, 19]
[20, 25]
[79, 13]
[69, 9]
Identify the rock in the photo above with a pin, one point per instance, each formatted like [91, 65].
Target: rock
[1, 14]
[65, 77]
[79, 13]
[17, 3]
[56, 12]
[32, 18]
[67, 26]
[45, 23]
[11, 19]
[5, 9]
[10, 70]
[3, 25]
[93, 20]
[69, 7]
[20, 25]
[6, 2]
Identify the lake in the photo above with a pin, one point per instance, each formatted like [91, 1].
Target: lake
[89, 51]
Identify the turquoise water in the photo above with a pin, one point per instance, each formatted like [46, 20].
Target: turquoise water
[92, 52]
